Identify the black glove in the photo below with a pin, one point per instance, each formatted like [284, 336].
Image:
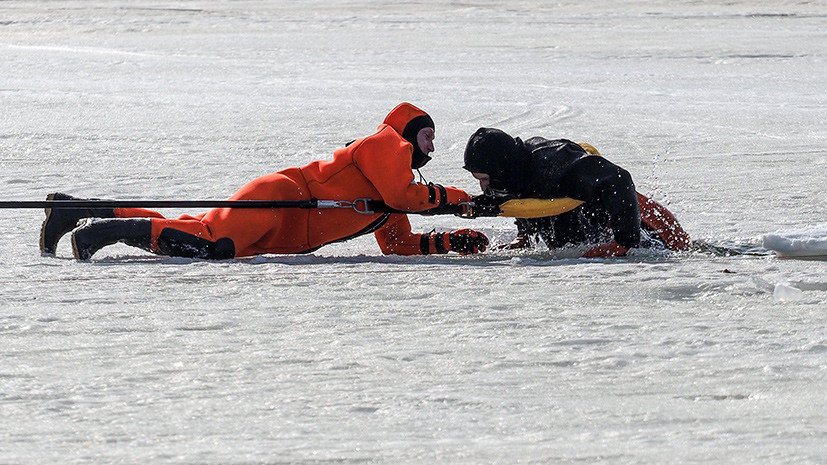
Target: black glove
[467, 241]
[486, 200]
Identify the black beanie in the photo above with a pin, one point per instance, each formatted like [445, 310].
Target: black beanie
[419, 158]
[495, 153]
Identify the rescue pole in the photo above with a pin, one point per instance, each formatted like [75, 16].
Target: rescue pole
[515, 208]
[83, 203]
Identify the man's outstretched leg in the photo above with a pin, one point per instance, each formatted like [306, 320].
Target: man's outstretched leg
[94, 234]
[219, 234]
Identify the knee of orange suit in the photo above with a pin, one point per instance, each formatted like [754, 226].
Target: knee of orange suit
[193, 227]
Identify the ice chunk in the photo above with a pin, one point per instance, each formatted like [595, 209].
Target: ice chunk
[810, 241]
[786, 293]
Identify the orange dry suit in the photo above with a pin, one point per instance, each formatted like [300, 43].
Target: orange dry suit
[377, 167]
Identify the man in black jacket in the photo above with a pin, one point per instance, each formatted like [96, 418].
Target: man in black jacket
[546, 169]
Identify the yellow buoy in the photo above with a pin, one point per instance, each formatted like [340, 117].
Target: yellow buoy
[589, 148]
[538, 208]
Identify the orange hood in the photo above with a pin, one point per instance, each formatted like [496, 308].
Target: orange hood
[407, 120]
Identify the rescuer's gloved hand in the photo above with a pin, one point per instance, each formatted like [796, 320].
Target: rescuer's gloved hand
[467, 241]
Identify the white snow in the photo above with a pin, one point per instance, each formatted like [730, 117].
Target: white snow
[347, 356]
[810, 241]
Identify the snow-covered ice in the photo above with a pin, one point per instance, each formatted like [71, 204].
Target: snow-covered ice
[717, 355]
[809, 241]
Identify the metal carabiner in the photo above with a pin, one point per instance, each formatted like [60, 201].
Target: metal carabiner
[362, 206]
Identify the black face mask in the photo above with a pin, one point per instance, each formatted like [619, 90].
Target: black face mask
[419, 159]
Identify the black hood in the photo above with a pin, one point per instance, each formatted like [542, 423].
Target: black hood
[419, 158]
[493, 152]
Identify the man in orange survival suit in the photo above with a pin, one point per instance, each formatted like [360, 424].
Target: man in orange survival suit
[378, 167]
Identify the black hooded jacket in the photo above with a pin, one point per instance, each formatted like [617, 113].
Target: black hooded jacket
[546, 169]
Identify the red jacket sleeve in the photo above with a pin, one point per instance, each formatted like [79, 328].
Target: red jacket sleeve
[396, 238]
[385, 160]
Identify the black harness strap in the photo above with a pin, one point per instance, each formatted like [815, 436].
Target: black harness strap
[443, 195]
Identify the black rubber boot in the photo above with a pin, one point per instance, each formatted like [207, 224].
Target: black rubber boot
[93, 234]
[60, 221]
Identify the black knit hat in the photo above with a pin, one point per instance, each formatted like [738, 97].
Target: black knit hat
[419, 158]
[493, 152]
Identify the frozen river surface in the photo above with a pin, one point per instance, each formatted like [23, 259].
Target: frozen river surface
[346, 356]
